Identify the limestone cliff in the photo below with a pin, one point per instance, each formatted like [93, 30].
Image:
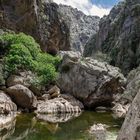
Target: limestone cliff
[119, 36]
[54, 27]
[81, 26]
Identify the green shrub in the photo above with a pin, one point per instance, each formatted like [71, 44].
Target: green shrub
[23, 53]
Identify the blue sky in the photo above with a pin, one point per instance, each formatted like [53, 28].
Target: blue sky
[91, 7]
[105, 3]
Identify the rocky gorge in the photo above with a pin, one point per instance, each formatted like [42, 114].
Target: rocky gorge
[72, 62]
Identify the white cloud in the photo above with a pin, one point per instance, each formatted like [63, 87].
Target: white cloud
[86, 6]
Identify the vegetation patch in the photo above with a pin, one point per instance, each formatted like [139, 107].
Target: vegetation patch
[21, 52]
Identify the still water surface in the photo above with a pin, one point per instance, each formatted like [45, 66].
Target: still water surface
[27, 127]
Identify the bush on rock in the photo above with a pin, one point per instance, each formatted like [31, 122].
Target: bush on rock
[21, 52]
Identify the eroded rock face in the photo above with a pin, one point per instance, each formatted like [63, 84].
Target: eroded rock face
[93, 82]
[133, 85]
[81, 26]
[131, 126]
[56, 106]
[54, 27]
[22, 96]
[119, 36]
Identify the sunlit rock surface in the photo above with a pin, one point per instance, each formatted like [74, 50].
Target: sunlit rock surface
[57, 105]
[92, 82]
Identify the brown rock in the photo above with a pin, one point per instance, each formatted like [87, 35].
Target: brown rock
[54, 92]
[22, 96]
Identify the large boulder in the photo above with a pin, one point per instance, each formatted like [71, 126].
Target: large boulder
[57, 106]
[92, 82]
[6, 104]
[26, 79]
[22, 96]
[131, 126]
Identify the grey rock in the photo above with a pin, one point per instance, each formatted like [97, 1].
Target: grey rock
[131, 127]
[6, 104]
[98, 131]
[120, 110]
[56, 106]
[22, 96]
[72, 100]
[92, 82]
[102, 109]
[54, 92]
[74, 54]
[23, 78]
[81, 27]
[133, 85]
[14, 80]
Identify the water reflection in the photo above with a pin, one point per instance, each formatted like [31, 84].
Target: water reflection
[7, 125]
[58, 118]
[28, 127]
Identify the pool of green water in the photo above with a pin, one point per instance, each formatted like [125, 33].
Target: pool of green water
[27, 127]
